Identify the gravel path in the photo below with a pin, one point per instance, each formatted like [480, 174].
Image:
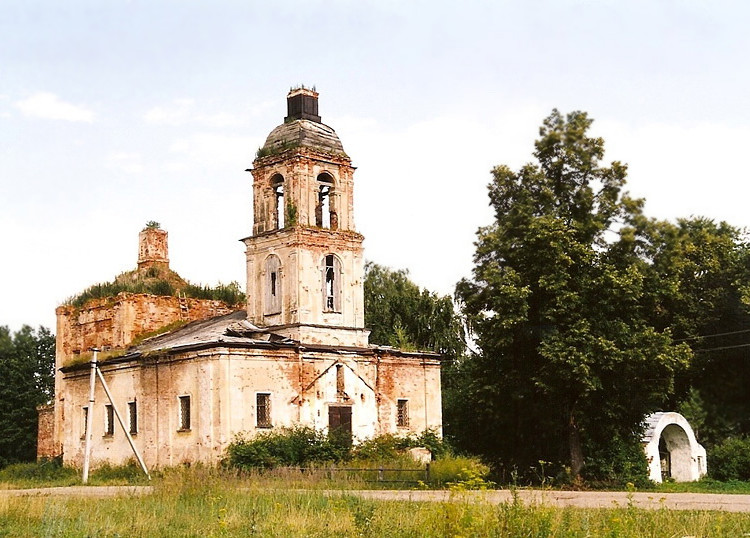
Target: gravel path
[577, 499]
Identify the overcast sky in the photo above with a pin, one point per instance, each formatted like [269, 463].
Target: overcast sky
[115, 112]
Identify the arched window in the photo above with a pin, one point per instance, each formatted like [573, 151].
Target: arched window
[277, 183]
[325, 215]
[272, 295]
[331, 284]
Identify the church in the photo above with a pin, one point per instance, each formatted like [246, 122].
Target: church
[296, 354]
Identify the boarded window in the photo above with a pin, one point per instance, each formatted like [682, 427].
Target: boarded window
[272, 295]
[402, 414]
[263, 410]
[109, 420]
[340, 387]
[184, 418]
[132, 418]
[331, 284]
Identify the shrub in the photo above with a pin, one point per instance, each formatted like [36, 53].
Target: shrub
[287, 447]
[616, 464]
[730, 459]
[469, 471]
[381, 448]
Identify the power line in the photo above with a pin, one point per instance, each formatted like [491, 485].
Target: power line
[711, 335]
[720, 348]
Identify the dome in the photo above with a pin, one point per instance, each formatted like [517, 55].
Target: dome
[302, 133]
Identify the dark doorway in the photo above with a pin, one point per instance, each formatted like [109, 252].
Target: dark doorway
[340, 424]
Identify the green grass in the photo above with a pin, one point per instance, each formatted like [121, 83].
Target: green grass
[207, 502]
[706, 485]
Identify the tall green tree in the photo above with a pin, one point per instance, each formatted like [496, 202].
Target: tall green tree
[569, 361]
[401, 314]
[27, 361]
[700, 275]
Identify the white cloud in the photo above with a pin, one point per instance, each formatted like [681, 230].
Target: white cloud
[49, 106]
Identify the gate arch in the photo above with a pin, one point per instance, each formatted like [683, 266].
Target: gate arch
[671, 449]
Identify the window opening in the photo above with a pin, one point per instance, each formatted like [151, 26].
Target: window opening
[323, 211]
[340, 388]
[263, 410]
[184, 412]
[109, 419]
[133, 418]
[330, 282]
[402, 415]
[324, 203]
[85, 416]
[272, 287]
[278, 194]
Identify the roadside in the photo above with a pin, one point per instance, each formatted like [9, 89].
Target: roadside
[556, 498]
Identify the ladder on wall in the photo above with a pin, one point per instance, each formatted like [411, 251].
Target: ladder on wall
[184, 307]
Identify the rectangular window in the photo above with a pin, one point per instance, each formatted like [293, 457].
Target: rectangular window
[402, 416]
[109, 419]
[184, 412]
[132, 418]
[263, 410]
[85, 425]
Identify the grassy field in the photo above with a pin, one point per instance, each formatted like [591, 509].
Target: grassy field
[205, 502]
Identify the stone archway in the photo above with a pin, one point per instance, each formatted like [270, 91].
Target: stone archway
[672, 450]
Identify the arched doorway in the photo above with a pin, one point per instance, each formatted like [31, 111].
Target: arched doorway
[677, 445]
[671, 449]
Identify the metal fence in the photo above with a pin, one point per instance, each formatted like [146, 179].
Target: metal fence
[373, 474]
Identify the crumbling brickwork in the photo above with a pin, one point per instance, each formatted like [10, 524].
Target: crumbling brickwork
[114, 322]
[46, 446]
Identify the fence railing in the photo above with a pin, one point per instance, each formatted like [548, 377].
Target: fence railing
[373, 474]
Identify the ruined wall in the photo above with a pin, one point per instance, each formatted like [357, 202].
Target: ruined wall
[415, 378]
[223, 385]
[46, 447]
[114, 322]
[153, 249]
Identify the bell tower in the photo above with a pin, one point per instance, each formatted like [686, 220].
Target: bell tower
[305, 266]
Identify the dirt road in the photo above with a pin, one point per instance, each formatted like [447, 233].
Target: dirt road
[578, 499]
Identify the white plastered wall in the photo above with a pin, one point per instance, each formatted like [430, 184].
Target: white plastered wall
[688, 457]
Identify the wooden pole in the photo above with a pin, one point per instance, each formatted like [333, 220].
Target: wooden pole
[122, 423]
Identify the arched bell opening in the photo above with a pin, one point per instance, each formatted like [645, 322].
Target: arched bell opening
[325, 212]
[277, 185]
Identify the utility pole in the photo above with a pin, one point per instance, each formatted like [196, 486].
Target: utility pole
[89, 419]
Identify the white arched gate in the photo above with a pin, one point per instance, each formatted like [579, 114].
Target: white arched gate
[672, 450]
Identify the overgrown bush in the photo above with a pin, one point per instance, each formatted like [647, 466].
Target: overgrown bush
[230, 293]
[301, 446]
[617, 464]
[730, 459]
[467, 471]
[297, 446]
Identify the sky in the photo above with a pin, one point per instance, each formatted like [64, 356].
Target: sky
[118, 112]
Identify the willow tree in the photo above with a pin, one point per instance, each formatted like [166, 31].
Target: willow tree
[569, 362]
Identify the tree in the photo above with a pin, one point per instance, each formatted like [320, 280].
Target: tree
[569, 361]
[27, 361]
[701, 276]
[401, 314]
